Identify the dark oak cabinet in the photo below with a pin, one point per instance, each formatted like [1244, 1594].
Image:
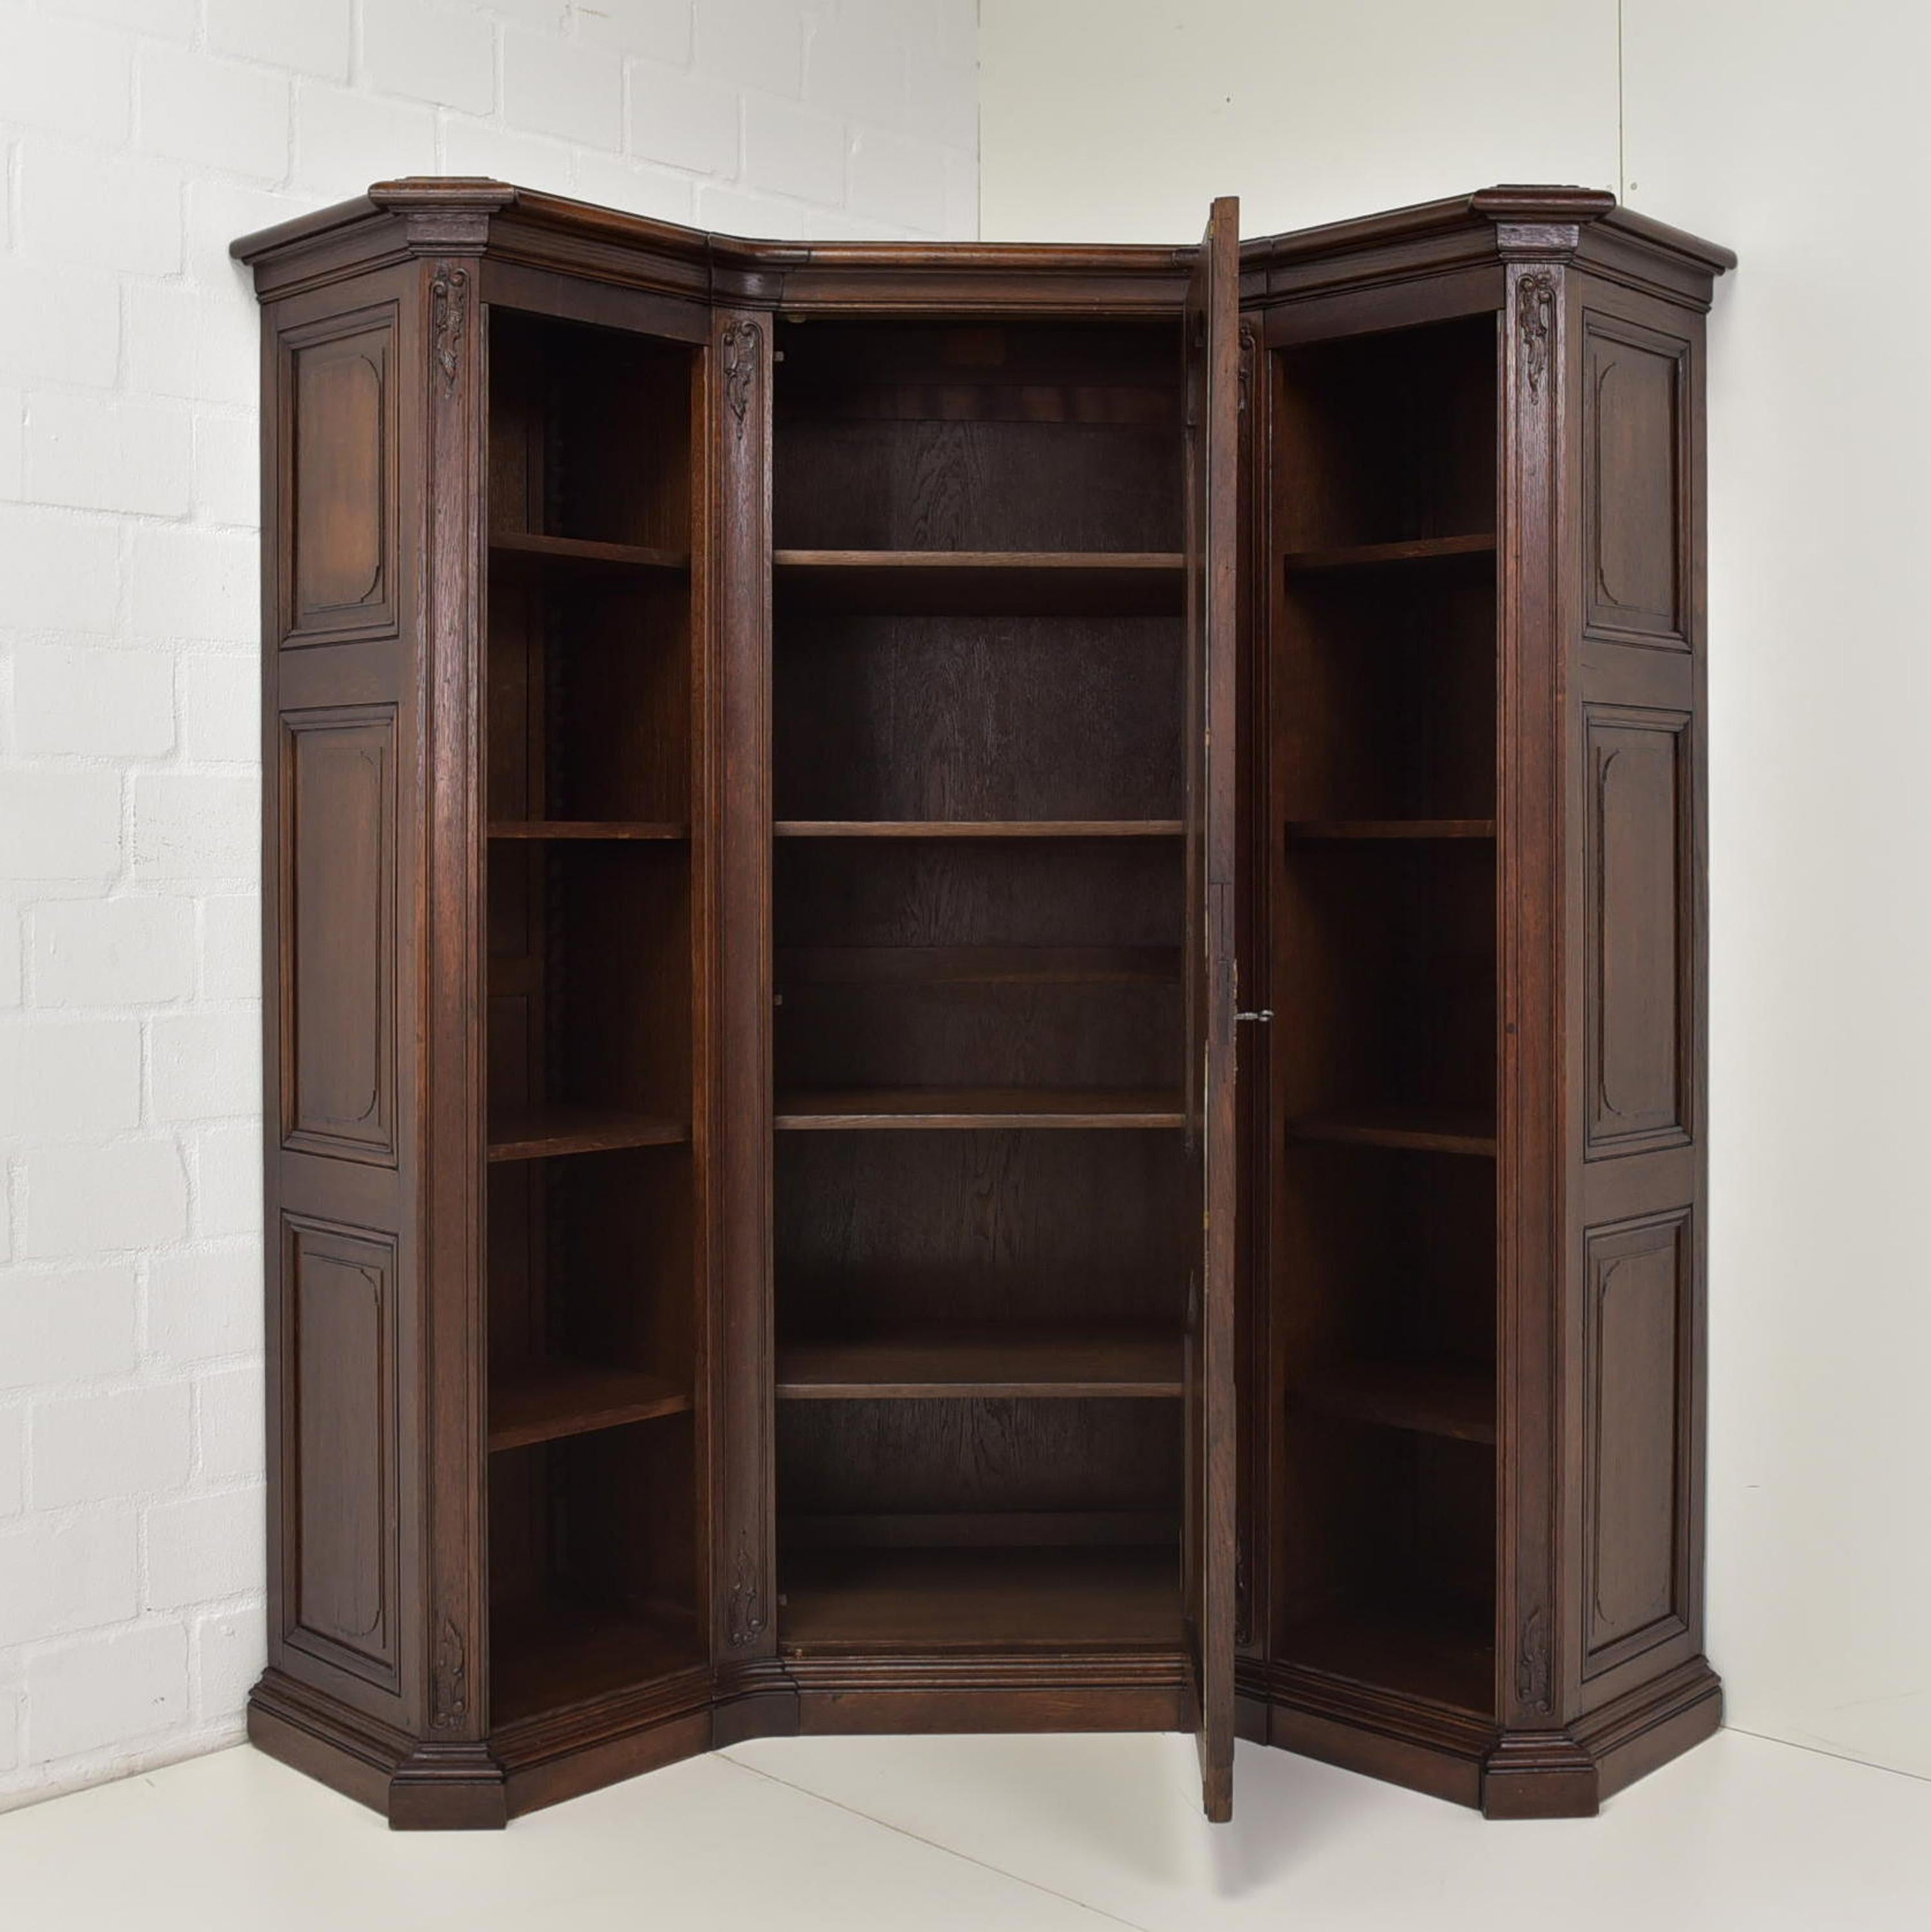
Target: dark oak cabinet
[985, 994]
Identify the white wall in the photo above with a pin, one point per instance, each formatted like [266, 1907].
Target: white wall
[137, 137]
[1794, 133]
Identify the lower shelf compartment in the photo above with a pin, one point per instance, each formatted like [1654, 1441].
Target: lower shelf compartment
[1445, 1656]
[834, 1602]
[549, 1656]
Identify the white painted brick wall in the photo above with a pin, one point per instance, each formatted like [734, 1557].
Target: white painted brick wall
[137, 138]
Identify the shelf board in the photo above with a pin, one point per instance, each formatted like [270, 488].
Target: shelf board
[977, 828]
[568, 1130]
[1018, 1366]
[1426, 1130]
[545, 1401]
[1322, 831]
[1442, 1656]
[1425, 1398]
[550, 1656]
[1369, 557]
[981, 1600]
[908, 582]
[978, 965]
[616, 829]
[524, 550]
[931, 1107]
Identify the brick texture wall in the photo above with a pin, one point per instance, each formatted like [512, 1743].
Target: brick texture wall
[137, 137]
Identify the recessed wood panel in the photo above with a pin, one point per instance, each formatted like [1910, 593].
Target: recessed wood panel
[1636, 565]
[338, 918]
[341, 1475]
[1637, 1383]
[339, 482]
[1639, 1009]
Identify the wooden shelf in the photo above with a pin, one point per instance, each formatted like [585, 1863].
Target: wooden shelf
[1426, 1130]
[616, 829]
[525, 551]
[545, 1401]
[1443, 1656]
[977, 828]
[548, 1657]
[978, 965]
[980, 1600]
[1371, 556]
[567, 1130]
[1425, 1398]
[1323, 831]
[931, 1107]
[1082, 582]
[1019, 1365]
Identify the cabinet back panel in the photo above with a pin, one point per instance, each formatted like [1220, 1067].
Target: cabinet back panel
[976, 1456]
[881, 891]
[887, 1231]
[966, 1036]
[978, 717]
[1001, 437]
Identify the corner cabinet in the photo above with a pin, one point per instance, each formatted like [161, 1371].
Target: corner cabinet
[984, 993]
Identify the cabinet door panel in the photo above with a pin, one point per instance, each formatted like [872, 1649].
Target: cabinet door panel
[1212, 385]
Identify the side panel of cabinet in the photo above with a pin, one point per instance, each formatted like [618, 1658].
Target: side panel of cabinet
[340, 734]
[1633, 1233]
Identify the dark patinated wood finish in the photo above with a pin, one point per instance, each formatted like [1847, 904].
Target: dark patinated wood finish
[784, 760]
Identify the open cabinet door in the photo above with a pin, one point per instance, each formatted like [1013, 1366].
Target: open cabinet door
[1213, 386]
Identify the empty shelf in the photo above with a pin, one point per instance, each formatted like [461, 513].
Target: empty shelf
[834, 1600]
[911, 1367]
[525, 550]
[567, 1130]
[1321, 831]
[1445, 1656]
[1367, 556]
[1428, 1130]
[977, 828]
[548, 1657]
[977, 965]
[927, 1107]
[1087, 583]
[1427, 1398]
[545, 1401]
[588, 828]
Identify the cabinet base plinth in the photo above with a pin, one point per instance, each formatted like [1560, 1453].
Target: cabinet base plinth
[448, 1788]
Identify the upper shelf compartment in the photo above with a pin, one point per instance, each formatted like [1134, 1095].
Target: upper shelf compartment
[984, 438]
[1143, 583]
[589, 455]
[1385, 449]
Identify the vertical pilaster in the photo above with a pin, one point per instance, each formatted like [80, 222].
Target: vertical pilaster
[451, 1778]
[744, 1598]
[1536, 1769]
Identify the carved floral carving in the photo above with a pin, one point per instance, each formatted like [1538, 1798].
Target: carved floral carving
[1535, 318]
[449, 1699]
[744, 1616]
[743, 351]
[449, 314]
[1532, 1663]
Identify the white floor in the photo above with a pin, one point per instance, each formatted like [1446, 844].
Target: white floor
[1023, 1835]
